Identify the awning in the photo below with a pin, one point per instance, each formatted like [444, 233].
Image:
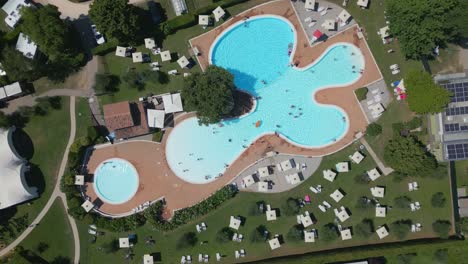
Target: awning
[137, 57]
[166, 55]
[149, 43]
[203, 20]
[183, 62]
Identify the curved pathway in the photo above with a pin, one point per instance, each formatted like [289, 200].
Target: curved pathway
[57, 193]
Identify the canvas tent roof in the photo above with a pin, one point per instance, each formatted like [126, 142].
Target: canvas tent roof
[13, 188]
[234, 223]
[183, 62]
[172, 103]
[380, 211]
[262, 186]
[124, 242]
[382, 232]
[274, 243]
[337, 195]
[156, 118]
[203, 20]
[374, 174]
[137, 57]
[346, 234]
[218, 13]
[166, 55]
[87, 205]
[357, 157]
[309, 236]
[148, 259]
[344, 16]
[329, 24]
[309, 4]
[120, 51]
[149, 43]
[378, 192]
[26, 46]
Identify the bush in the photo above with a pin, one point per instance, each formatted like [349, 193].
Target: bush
[180, 22]
[258, 234]
[329, 232]
[361, 93]
[414, 123]
[224, 235]
[463, 224]
[295, 233]
[397, 176]
[401, 228]
[105, 48]
[402, 202]
[442, 228]
[374, 130]
[438, 200]
[363, 203]
[188, 239]
[365, 228]
[290, 207]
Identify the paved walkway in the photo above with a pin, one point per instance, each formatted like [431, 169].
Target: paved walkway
[385, 170]
[57, 193]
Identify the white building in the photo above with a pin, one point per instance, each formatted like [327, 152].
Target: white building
[12, 9]
[13, 188]
[26, 46]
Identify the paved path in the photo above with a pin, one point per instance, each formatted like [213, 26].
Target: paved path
[57, 193]
[385, 170]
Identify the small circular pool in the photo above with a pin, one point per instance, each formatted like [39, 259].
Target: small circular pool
[115, 181]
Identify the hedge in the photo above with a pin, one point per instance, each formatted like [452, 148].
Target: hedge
[105, 48]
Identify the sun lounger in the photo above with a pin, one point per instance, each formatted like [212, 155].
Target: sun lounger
[242, 253]
[313, 189]
[413, 228]
[417, 205]
[327, 204]
[200, 258]
[410, 187]
[240, 237]
[182, 260]
[311, 24]
[324, 12]
[234, 237]
[306, 213]
[92, 232]
[415, 186]
[298, 218]
[321, 8]
[218, 257]
[322, 208]
[374, 91]
[189, 259]
[413, 208]
[172, 72]
[394, 67]
[236, 253]
[394, 72]
[206, 258]
[308, 19]
[198, 228]
[93, 227]
[203, 225]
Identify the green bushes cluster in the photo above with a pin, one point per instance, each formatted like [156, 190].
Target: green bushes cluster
[154, 213]
[361, 93]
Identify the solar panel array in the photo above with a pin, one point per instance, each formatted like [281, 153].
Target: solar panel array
[459, 91]
[456, 111]
[457, 151]
[455, 127]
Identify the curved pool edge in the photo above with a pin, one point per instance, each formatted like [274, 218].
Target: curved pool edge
[99, 194]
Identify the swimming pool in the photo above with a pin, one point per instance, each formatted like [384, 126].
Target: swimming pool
[115, 181]
[256, 52]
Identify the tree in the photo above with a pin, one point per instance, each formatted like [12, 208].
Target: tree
[210, 94]
[295, 233]
[42, 247]
[463, 224]
[365, 228]
[361, 93]
[259, 234]
[401, 228]
[421, 25]
[290, 207]
[442, 228]
[425, 96]
[364, 203]
[18, 67]
[361, 178]
[224, 235]
[116, 19]
[4, 122]
[329, 232]
[188, 239]
[407, 155]
[105, 83]
[438, 200]
[402, 202]
[110, 247]
[374, 130]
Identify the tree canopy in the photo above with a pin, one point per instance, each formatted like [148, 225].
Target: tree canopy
[408, 155]
[210, 94]
[116, 19]
[18, 66]
[421, 25]
[424, 96]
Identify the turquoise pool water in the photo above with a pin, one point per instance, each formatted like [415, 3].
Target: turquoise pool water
[257, 54]
[115, 181]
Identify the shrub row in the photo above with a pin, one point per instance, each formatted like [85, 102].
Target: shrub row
[105, 48]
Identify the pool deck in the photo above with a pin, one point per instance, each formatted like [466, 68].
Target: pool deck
[156, 178]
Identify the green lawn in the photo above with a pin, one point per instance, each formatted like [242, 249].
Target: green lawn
[242, 204]
[83, 117]
[49, 135]
[461, 171]
[53, 231]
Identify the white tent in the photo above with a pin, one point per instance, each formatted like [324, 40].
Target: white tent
[218, 13]
[380, 211]
[329, 24]
[382, 232]
[378, 192]
[337, 195]
[274, 243]
[234, 223]
[166, 55]
[172, 103]
[87, 206]
[79, 179]
[120, 51]
[309, 236]
[26, 46]
[156, 118]
[148, 259]
[309, 5]
[263, 186]
[357, 157]
[12, 8]
[2, 93]
[344, 16]
[13, 187]
[124, 242]
[203, 20]
[286, 165]
[12, 89]
[149, 43]
[329, 175]
[342, 167]
[294, 178]
[137, 57]
[263, 172]
[346, 234]
[363, 3]
[271, 215]
[374, 174]
[248, 180]
[183, 62]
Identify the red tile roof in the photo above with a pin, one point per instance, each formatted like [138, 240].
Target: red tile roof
[117, 116]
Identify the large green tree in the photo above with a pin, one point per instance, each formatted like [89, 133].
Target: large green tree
[18, 67]
[421, 25]
[424, 96]
[210, 94]
[408, 155]
[116, 19]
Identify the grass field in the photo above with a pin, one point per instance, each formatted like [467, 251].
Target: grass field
[49, 136]
[244, 203]
[461, 171]
[53, 231]
[83, 117]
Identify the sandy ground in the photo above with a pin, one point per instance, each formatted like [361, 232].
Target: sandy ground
[156, 178]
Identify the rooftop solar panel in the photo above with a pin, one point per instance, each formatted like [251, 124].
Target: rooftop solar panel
[456, 151]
